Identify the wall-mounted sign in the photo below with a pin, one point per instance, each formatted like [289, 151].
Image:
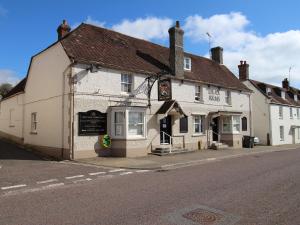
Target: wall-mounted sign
[164, 89]
[92, 123]
[214, 94]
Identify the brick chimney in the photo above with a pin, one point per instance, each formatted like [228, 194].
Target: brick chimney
[285, 83]
[243, 71]
[63, 29]
[176, 56]
[217, 54]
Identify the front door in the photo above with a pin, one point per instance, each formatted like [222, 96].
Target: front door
[215, 129]
[165, 130]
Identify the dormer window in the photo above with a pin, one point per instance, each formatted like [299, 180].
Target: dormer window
[269, 91]
[283, 94]
[187, 63]
[295, 98]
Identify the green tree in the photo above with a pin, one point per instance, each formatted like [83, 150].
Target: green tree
[4, 89]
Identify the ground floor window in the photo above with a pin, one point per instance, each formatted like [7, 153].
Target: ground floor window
[128, 122]
[198, 124]
[231, 124]
[244, 124]
[281, 131]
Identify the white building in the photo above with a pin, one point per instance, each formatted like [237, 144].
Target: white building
[94, 81]
[276, 116]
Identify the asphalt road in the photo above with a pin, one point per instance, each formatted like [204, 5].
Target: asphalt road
[260, 189]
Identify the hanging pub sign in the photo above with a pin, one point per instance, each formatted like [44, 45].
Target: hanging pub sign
[164, 89]
[92, 123]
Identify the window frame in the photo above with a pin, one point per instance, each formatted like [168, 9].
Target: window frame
[244, 122]
[298, 113]
[280, 112]
[291, 113]
[228, 97]
[34, 123]
[199, 93]
[231, 124]
[128, 81]
[281, 133]
[184, 131]
[11, 121]
[189, 60]
[200, 124]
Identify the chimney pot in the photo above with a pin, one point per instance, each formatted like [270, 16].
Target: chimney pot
[177, 24]
[285, 83]
[217, 54]
[243, 70]
[63, 29]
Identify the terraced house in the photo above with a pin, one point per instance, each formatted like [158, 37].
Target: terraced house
[94, 83]
[276, 119]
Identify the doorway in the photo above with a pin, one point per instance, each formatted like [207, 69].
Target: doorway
[215, 128]
[165, 130]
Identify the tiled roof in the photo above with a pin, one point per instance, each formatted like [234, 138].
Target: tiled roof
[19, 88]
[275, 95]
[110, 49]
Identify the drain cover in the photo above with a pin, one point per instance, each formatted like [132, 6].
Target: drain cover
[203, 217]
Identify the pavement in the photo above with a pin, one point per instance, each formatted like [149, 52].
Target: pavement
[255, 189]
[154, 162]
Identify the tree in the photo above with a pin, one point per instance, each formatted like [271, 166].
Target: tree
[4, 89]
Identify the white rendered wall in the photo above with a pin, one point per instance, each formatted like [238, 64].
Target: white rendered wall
[12, 124]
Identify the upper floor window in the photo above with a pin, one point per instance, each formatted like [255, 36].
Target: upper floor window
[126, 83]
[283, 94]
[187, 63]
[33, 122]
[198, 93]
[228, 97]
[268, 91]
[291, 112]
[11, 117]
[298, 115]
[280, 112]
[295, 97]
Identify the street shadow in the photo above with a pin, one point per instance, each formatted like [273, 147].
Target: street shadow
[9, 151]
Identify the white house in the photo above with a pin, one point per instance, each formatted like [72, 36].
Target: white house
[94, 81]
[276, 116]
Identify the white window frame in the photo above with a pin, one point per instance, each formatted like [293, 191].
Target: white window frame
[128, 81]
[280, 112]
[281, 133]
[298, 113]
[126, 111]
[291, 113]
[198, 93]
[34, 123]
[200, 123]
[295, 97]
[283, 94]
[232, 123]
[268, 90]
[187, 63]
[228, 97]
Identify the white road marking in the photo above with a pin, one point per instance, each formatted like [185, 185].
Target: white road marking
[97, 173]
[77, 176]
[116, 170]
[142, 171]
[55, 185]
[82, 180]
[125, 173]
[15, 186]
[46, 181]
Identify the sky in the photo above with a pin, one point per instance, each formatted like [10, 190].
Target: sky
[266, 34]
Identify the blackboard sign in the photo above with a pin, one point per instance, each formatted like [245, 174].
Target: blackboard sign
[92, 123]
[164, 90]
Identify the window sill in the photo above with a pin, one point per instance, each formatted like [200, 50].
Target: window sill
[179, 135]
[128, 94]
[199, 101]
[33, 132]
[128, 138]
[198, 135]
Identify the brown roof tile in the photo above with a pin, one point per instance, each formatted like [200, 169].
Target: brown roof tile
[20, 87]
[110, 49]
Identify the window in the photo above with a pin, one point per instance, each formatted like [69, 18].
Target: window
[281, 131]
[291, 112]
[34, 122]
[136, 123]
[198, 93]
[298, 115]
[11, 117]
[187, 63]
[183, 126]
[295, 97]
[269, 92]
[298, 133]
[228, 97]
[198, 124]
[280, 112]
[231, 124]
[283, 94]
[128, 122]
[126, 83]
[119, 123]
[244, 124]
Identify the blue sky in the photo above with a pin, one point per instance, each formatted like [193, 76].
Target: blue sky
[265, 33]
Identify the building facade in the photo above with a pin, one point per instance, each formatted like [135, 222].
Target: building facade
[276, 119]
[95, 82]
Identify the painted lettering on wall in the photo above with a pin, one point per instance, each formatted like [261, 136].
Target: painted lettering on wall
[214, 94]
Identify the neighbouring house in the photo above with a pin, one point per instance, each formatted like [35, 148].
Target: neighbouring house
[276, 117]
[93, 82]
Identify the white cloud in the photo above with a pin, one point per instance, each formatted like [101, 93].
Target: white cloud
[91, 21]
[269, 56]
[145, 28]
[8, 76]
[3, 11]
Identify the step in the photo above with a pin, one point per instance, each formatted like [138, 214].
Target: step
[218, 146]
[175, 150]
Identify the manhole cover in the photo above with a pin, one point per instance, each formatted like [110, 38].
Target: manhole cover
[203, 217]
